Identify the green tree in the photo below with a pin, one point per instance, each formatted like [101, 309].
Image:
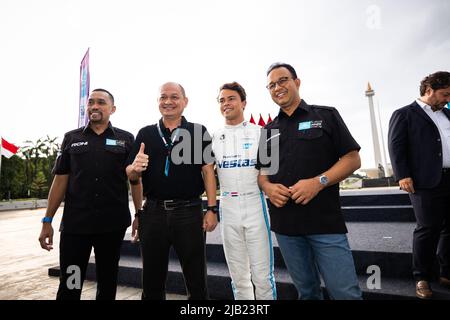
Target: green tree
[49, 151]
[33, 151]
[12, 178]
[29, 173]
[39, 188]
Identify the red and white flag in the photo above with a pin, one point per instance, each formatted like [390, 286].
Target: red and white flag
[8, 149]
[269, 120]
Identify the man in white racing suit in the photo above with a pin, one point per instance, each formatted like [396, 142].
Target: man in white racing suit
[243, 211]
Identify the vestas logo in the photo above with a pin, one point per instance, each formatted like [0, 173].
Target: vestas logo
[238, 163]
[79, 144]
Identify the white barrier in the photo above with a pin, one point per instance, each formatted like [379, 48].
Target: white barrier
[21, 205]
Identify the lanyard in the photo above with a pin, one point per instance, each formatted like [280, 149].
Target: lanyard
[168, 147]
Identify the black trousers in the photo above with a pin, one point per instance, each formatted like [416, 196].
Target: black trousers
[160, 229]
[74, 253]
[432, 232]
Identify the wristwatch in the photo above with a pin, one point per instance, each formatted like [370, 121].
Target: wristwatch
[138, 213]
[212, 208]
[323, 179]
[134, 182]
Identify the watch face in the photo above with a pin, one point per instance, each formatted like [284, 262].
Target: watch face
[212, 208]
[323, 180]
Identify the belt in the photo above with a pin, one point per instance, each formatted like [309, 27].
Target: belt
[173, 204]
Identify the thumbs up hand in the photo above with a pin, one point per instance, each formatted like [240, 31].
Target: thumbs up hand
[140, 163]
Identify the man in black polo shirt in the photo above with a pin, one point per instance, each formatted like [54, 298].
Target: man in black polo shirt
[90, 176]
[316, 152]
[169, 156]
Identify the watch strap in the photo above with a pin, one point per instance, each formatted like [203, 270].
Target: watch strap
[212, 208]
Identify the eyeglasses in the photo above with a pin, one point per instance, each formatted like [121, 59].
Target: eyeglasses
[280, 82]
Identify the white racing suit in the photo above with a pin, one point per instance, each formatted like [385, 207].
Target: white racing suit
[243, 211]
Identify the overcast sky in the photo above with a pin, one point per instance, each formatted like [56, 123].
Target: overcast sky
[336, 47]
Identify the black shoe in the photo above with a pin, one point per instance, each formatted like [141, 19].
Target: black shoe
[423, 290]
[445, 282]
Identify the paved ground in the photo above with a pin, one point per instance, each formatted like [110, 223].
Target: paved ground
[24, 265]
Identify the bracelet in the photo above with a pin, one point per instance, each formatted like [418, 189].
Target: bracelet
[47, 220]
[138, 213]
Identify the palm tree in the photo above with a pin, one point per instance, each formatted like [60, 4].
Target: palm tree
[50, 151]
[39, 156]
[27, 153]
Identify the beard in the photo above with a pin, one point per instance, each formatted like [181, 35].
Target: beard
[95, 117]
[438, 106]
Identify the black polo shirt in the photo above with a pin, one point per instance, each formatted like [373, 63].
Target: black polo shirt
[96, 199]
[311, 141]
[184, 179]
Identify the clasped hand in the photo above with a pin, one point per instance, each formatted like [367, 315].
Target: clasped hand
[302, 192]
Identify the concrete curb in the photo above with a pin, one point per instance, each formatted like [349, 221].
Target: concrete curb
[21, 205]
[42, 203]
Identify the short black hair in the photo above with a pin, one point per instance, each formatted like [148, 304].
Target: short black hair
[277, 65]
[106, 91]
[436, 81]
[183, 92]
[235, 87]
